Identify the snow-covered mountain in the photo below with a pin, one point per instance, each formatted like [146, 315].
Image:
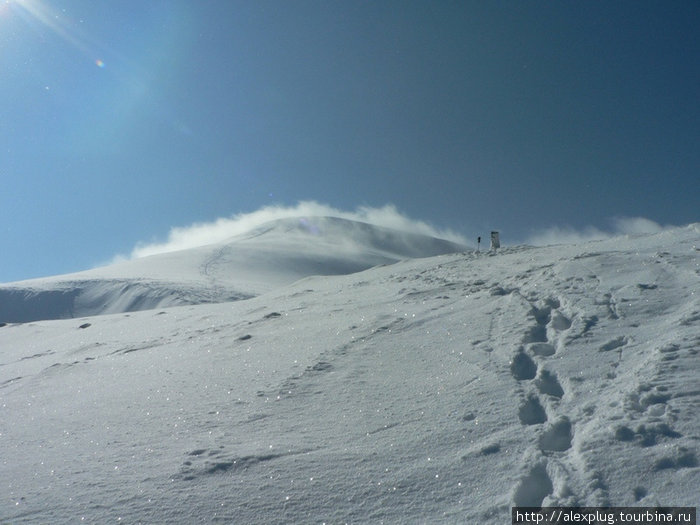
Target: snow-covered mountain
[274, 254]
[432, 390]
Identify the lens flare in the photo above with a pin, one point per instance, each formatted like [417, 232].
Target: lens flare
[56, 21]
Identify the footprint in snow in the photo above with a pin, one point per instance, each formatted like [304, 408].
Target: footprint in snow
[533, 487]
[547, 383]
[639, 493]
[678, 459]
[542, 349]
[648, 397]
[560, 322]
[535, 334]
[531, 411]
[541, 315]
[646, 435]
[202, 462]
[645, 286]
[522, 367]
[589, 322]
[557, 436]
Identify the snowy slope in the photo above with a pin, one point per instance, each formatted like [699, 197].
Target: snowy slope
[274, 254]
[438, 390]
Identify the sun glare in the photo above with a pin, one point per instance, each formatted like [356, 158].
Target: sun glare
[4, 9]
[43, 13]
[58, 22]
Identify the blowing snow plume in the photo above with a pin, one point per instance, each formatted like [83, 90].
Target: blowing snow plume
[201, 234]
[619, 226]
[224, 261]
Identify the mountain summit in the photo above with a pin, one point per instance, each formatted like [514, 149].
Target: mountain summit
[269, 256]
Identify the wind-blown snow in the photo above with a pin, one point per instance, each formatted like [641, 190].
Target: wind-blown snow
[620, 226]
[434, 390]
[201, 234]
[270, 255]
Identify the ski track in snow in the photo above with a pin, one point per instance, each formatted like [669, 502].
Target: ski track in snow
[442, 390]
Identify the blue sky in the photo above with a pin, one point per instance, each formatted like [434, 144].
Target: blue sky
[122, 120]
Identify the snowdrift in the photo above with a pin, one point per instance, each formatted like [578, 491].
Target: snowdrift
[434, 390]
[275, 254]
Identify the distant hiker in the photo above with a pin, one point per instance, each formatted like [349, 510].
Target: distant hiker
[478, 244]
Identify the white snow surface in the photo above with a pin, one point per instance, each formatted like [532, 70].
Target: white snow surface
[271, 255]
[444, 389]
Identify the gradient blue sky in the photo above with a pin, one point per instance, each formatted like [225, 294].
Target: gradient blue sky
[122, 119]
